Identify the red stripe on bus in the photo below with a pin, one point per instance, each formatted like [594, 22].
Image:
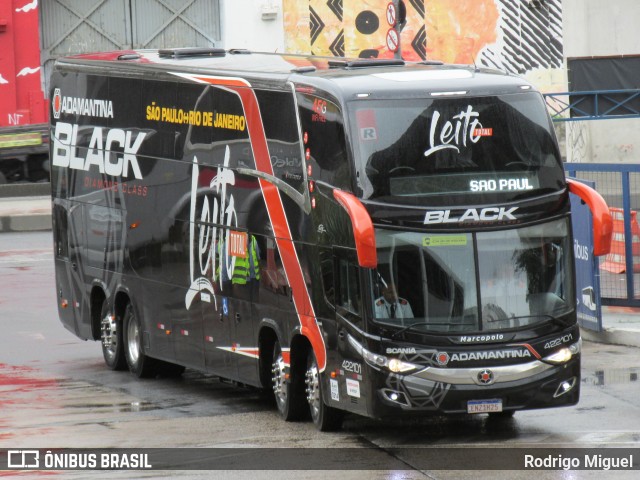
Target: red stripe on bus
[530, 348]
[275, 208]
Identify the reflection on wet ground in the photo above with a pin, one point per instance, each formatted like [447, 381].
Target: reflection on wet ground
[100, 408]
[434, 430]
[116, 407]
[35, 405]
[611, 376]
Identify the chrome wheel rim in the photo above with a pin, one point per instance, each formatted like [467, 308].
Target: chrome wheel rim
[278, 380]
[109, 335]
[133, 340]
[312, 382]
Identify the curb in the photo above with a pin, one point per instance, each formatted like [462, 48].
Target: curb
[17, 190]
[25, 222]
[25, 213]
[627, 338]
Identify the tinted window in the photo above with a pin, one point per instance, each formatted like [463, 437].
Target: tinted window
[497, 148]
[522, 278]
[281, 129]
[322, 126]
[349, 293]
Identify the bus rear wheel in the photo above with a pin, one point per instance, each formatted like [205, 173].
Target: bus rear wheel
[139, 363]
[111, 339]
[288, 387]
[325, 418]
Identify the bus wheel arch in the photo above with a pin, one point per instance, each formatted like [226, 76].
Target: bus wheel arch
[97, 301]
[287, 379]
[267, 339]
[120, 304]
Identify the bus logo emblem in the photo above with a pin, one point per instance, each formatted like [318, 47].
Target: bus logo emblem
[442, 358]
[485, 377]
[57, 103]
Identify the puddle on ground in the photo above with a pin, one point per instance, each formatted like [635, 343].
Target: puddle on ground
[117, 407]
[612, 376]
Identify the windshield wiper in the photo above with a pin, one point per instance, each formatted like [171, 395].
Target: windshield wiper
[409, 327]
[554, 320]
[542, 316]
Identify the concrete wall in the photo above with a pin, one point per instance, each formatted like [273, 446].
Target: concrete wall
[602, 28]
[253, 24]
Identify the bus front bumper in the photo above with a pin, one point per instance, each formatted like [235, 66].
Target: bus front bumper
[478, 390]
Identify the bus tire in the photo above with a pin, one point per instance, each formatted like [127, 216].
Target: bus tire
[139, 363]
[111, 339]
[324, 417]
[288, 387]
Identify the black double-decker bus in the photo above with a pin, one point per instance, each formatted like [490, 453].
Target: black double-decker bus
[365, 236]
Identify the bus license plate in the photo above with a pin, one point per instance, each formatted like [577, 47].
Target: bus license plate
[484, 406]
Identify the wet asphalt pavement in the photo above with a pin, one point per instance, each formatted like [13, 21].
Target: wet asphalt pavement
[55, 392]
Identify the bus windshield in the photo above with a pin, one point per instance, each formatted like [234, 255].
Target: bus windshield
[471, 282]
[452, 150]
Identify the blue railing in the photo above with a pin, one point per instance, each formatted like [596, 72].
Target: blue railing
[593, 105]
[619, 184]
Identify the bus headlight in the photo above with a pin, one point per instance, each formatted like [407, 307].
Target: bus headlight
[373, 359]
[564, 354]
[398, 366]
[378, 361]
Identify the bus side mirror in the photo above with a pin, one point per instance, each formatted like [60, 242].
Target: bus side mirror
[363, 232]
[602, 222]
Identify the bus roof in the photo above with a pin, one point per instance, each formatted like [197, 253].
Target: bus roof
[347, 78]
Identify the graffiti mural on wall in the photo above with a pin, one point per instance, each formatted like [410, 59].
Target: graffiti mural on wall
[514, 35]
[530, 36]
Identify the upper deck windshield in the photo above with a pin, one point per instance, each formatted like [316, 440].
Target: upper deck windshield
[473, 282]
[452, 150]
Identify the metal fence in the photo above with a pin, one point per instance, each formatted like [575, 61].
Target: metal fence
[620, 187]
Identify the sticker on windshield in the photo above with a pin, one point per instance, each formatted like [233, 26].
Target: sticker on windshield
[462, 130]
[366, 119]
[444, 240]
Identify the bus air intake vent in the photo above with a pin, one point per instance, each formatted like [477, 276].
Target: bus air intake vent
[366, 63]
[431, 62]
[129, 56]
[306, 69]
[191, 52]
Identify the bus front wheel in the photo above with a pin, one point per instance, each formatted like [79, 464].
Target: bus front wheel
[325, 418]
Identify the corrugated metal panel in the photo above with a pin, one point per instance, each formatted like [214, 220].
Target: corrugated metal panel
[83, 26]
[175, 23]
[80, 26]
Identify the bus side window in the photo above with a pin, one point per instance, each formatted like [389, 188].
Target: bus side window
[327, 272]
[273, 277]
[281, 129]
[349, 296]
[323, 127]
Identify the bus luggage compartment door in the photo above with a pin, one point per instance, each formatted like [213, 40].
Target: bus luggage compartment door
[68, 241]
